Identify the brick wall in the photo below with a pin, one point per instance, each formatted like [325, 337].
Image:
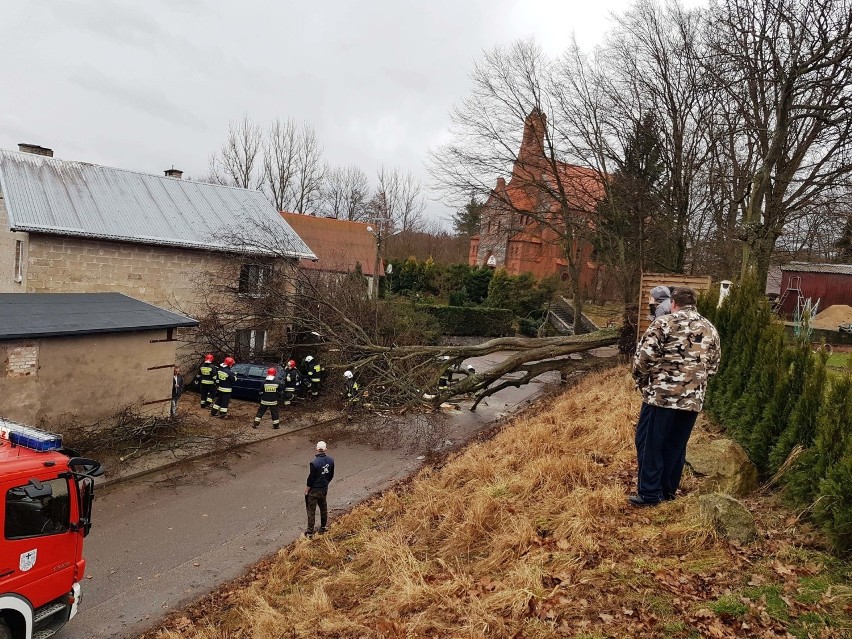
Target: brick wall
[164, 276]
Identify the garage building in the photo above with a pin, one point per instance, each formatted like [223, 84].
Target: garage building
[84, 357]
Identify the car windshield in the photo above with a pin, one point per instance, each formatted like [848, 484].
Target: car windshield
[256, 371]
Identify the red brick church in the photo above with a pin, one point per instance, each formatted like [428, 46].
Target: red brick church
[511, 234]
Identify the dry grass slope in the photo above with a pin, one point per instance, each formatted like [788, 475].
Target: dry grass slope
[529, 535]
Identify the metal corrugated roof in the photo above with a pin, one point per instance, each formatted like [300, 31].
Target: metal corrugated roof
[32, 315]
[807, 267]
[60, 197]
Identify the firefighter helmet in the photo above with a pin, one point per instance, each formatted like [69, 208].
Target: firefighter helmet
[291, 364]
[271, 371]
[348, 375]
[229, 361]
[208, 357]
[471, 369]
[309, 358]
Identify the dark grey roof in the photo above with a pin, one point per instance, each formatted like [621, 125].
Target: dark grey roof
[60, 197]
[31, 315]
[807, 267]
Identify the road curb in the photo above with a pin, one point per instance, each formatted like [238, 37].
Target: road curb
[190, 458]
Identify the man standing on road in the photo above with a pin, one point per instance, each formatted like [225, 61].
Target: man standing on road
[320, 475]
[674, 360]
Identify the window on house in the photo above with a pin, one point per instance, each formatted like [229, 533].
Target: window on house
[253, 278]
[250, 342]
[19, 261]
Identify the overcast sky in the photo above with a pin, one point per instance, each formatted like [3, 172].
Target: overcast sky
[147, 84]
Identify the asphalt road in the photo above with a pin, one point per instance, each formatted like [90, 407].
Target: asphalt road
[163, 540]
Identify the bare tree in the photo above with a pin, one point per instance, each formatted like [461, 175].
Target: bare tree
[292, 167]
[398, 202]
[311, 171]
[785, 70]
[280, 162]
[237, 163]
[345, 193]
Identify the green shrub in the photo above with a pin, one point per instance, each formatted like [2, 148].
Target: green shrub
[772, 396]
[466, 320]
[523, 294]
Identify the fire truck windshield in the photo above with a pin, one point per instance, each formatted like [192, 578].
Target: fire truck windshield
[36, 516]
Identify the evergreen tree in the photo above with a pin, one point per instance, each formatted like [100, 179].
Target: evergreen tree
[833, 437]
[466, 220]
[833, 508]
[630, 206]
[802, 425]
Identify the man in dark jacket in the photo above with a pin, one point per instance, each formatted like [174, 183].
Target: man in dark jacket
[177, 390]
[320, 475]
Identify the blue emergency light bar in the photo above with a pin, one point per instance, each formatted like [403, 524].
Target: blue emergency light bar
[29, 437]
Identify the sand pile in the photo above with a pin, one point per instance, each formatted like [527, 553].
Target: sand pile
[833, 316]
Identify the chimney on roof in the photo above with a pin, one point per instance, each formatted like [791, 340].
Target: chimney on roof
[174, 173]
[23, 147]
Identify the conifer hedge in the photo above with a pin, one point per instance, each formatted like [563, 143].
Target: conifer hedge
[470, 320]
[773, 395]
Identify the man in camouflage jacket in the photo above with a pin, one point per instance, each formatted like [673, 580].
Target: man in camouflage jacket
[674, 360]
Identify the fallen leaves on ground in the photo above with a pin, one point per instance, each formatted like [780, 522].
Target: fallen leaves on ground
[529, 535]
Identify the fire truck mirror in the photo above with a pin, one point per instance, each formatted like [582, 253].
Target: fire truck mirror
[86, 466]
[36, 490]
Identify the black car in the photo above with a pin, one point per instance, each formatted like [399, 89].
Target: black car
[250, 378]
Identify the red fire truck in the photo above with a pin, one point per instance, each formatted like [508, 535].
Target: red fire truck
[46, 494]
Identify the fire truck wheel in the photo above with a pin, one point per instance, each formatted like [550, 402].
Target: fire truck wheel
[5, 633]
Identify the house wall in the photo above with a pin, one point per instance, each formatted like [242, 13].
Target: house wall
[177, 279]
[8, 240]
[160, 275]
[829, 288]
[49, 382]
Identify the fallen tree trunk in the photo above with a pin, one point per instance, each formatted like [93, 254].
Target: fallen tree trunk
[533, 357]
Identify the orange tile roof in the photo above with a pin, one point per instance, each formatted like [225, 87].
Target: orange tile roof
[339, 244]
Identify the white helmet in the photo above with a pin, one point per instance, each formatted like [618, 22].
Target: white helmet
[309, 358]
[471, 368]
[348, 375]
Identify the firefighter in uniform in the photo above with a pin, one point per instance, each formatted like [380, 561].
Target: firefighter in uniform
[312, 373]
[207, 372]
[444, 380]
[292, 380]
[351, 393]
[269, 395]
[225, 379]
